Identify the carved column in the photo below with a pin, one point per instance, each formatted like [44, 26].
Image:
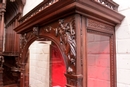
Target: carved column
[1, 70]
[22, 75]
[2, 10]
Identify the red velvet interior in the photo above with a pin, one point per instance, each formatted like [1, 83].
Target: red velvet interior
[57, 69]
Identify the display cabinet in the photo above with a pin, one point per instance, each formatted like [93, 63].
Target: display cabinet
[83, 31]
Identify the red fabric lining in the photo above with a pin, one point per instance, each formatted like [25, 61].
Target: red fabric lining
[58, 70]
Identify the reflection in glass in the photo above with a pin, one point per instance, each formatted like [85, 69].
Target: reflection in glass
[98, 60]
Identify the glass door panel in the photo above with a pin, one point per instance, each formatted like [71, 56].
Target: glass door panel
[57, 68]
[98, 60]
[39, 64]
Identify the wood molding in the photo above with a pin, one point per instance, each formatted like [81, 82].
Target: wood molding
[52, 13]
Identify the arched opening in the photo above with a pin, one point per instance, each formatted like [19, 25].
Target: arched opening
[45, 66]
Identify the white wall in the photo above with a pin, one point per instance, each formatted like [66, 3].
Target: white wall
[123, 45]
[30, 4]
[39, 65]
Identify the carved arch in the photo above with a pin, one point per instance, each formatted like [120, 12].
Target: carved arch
[24, 51]
[62, 33]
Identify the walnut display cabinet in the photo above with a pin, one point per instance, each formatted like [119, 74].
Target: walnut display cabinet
[83, 31]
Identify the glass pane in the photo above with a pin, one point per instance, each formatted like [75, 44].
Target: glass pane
[39, 67]
[57, 68]
[45, 69]
[98, 60]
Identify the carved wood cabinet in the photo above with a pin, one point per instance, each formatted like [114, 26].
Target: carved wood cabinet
[84, 32]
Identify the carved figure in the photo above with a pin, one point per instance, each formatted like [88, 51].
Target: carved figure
[67, 36]
[67, 39]
[35, 31]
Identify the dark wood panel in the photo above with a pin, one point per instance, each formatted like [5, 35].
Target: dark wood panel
[12, 39]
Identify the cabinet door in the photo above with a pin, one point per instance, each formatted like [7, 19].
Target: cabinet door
[98, 60]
